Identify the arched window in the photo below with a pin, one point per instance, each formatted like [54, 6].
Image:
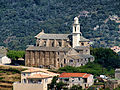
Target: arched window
[70, 60]
[75, 28]
[39, 81]
[24, 80]
[64, 61]
[61, 65]
[52, 44]
[44, 44]
[60, 44]
[58, 59]
[82, 44]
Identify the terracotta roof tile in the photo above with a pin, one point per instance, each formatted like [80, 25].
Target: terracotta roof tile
[39, 76]
[84, 75]
[32, 70]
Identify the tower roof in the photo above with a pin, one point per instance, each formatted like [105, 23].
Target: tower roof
[76, 20]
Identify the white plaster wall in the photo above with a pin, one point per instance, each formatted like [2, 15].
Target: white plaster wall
[21, 86]
[5, 60]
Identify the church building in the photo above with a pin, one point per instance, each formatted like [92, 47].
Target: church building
[59, 50]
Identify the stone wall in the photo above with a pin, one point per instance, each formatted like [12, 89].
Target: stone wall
[117, 73]
[42, 58]
[52, 43]
[78, 62]
[54, 59]
[112, 84]
[22, 86]
[84, 43]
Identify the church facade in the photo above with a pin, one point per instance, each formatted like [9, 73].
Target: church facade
[59, 50]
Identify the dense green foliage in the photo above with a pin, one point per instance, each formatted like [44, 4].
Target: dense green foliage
[76, 87]
[106, 57]
[14, 55]
[53, 83]
[21, 20]
[118, 88]
[93, 68]
[60, 85]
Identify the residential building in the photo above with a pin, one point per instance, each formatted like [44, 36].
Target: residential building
[117, 73]
[3, 57]
[112, 84]
[114, 17]
[59, 50]
[82, 79]
[115, 82]
[34, 79]
[116, 49]
[4, 60]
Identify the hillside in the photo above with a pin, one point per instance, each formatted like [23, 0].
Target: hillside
[9, 75]
[21, 20]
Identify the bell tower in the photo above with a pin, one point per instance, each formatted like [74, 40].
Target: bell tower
[76, 32]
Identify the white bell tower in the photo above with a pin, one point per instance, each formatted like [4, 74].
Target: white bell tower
[76, 32]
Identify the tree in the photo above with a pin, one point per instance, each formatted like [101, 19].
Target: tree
[106, 57]
[60, 85]
[53, 83]
[76, 87]
[14, 55]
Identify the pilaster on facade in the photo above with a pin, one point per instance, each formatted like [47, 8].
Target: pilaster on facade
[42, 55]
[55, 43]
[47, 43]
[63, 43]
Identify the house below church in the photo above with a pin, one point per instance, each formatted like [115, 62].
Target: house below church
[34, 79]
[59, 50]
[81, 79]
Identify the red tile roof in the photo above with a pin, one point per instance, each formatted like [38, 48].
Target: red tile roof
[84, 75]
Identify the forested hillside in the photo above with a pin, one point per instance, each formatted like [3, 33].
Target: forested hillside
[21, 20]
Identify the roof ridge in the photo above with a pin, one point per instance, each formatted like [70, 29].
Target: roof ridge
[84, 75]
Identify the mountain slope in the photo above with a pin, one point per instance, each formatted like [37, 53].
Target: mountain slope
[21, 20]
